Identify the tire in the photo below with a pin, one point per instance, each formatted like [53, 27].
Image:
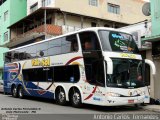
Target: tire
[20, 92]
[14, 92]
[60, 96]
[76, 98]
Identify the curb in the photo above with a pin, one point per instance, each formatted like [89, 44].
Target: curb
[152, 108]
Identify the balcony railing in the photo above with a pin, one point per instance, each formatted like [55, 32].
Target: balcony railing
[50, 30]
[67, 29]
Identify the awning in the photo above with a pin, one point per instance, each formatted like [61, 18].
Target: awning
[151, 38]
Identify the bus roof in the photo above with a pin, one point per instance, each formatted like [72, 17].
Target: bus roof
[78, 31]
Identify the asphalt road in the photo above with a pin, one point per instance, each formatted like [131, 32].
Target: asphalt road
[34, 106]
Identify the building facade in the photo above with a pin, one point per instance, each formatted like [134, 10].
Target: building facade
[115, 11]
[10, 11]
[48, 18]
[154, 53]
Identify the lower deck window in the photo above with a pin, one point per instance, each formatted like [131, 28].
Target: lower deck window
[68, 73]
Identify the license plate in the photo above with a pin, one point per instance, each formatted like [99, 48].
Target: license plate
[130, 101]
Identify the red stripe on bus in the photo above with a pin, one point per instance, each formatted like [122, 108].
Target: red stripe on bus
[94, 90]
[73, 59]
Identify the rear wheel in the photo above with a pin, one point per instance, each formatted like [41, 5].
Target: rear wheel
[60, 96]
[20, 92]
[76, 98]
[14, 91]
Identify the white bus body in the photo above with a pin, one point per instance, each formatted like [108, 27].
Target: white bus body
[114, 77]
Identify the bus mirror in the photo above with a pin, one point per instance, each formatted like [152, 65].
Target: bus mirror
[109, 65]
[41, 53]
[151, 64]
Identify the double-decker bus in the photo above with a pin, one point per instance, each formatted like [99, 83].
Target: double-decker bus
[99, 66]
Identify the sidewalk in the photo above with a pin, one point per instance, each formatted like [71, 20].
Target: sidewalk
[155, 108]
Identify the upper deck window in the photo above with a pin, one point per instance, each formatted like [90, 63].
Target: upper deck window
[89, 41]
[62, 45]
[117, 42]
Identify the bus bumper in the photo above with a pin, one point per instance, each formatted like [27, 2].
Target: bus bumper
[117, 101]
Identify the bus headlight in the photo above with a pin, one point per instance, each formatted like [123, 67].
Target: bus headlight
[113, 94]
[142, 93]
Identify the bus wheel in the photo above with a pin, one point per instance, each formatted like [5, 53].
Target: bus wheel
[76, 98]
[14, 91]
[60, 96]
[20, 92]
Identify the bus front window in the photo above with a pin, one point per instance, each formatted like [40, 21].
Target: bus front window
[127, 73]
[117, 42]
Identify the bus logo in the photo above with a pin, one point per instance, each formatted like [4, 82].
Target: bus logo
[128, 55]
[43, 62]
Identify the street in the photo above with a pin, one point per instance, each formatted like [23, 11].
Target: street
[43, 108]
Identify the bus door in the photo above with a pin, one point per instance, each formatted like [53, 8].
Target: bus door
[94, 67]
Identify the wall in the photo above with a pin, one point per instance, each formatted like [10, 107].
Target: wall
[152, 82]
[18, 10]
[155, 13]
[155, 81]
[128, 13]
[4, 24]
[75, 21]
[32, 2]
[2, 50]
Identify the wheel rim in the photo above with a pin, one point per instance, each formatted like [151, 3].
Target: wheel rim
[76, 98]
[61, 96]
[14, 91]
[20, 92]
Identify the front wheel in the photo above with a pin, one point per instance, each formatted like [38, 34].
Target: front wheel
[76, 98]
[20, 92]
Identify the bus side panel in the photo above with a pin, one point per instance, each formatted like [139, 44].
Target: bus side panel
[32, 89]
[6, 81]
[11, 74]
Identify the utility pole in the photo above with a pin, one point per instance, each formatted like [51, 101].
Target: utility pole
[45, 26]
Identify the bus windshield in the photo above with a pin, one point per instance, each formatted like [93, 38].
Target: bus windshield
[127, 73]
[117, 42]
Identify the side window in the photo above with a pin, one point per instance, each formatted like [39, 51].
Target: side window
[91, 52]
[95, 73]
[38, 74]
[98, 73]
[69, 44]
[89, 41]
[54, 47]
[147, 75]
[42, 49]
[23, 54]
[70, 73]
[15, 56]
[7, 57]
[31, 51]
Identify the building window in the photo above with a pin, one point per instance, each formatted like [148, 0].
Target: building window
[113, 8]
[93, 24]
[5, 36]
[6, 15]
[46, 3]
[34, 7]
[93, 2]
